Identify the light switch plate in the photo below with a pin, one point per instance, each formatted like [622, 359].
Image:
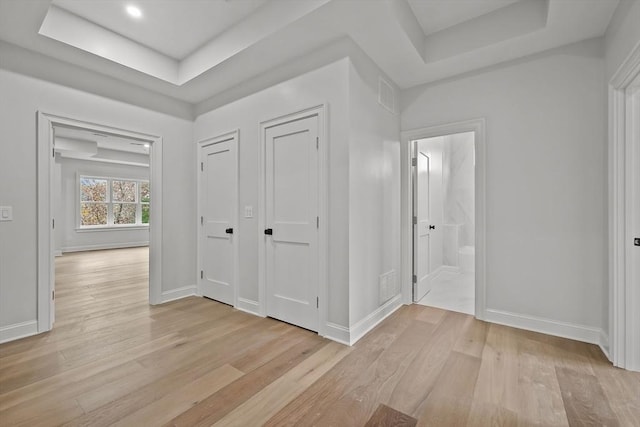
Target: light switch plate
[6, 213]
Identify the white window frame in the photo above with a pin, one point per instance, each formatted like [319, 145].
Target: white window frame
[109, 202]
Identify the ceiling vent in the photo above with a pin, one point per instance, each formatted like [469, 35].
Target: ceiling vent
[386, 95]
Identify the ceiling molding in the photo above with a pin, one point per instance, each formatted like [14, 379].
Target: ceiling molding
[43, 67]
[273, 41]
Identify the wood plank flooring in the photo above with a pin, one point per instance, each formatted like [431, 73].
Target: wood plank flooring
[114, 360]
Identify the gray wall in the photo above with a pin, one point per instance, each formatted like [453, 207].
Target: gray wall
[22, 97]
[545, 178]
[73, 239]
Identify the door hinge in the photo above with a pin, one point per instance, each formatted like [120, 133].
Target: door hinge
[53, 152]
[201, 166]
[201, 220]
[317, 302]
[415, 219]
[53, 223]
[202, 274]
[414, 161]
[317, 142]
[415, 279]
[317, 222]
[53, 295]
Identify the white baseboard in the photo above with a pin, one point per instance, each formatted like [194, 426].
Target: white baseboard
[360, 329]
[18, 330]
[103, 246]
[57, 252]
[337, 333]
[248, 306]
[546, 326]
[604, 344]
[174, 294]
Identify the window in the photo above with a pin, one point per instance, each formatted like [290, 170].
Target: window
[113, 202]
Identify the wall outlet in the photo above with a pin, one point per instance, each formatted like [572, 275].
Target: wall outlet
[248, 211]
[6, 213]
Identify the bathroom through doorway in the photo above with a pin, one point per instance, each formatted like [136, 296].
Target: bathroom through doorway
[444, 228]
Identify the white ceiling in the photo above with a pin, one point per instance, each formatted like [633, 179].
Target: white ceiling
[436, 15]
[412, 41]
[173, 28]
[103, 140]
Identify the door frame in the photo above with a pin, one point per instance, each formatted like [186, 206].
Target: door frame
[623, 333]
[477, 126]
[235, 136]
[323, 210]
[45, 153]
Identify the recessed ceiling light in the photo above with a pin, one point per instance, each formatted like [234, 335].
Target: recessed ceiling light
[147, 145]
[134, 11]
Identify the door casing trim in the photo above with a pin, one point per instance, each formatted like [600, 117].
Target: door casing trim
[622, 331]
[45, 215]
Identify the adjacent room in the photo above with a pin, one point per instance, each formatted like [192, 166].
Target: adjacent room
[101, 194]
[444, 208]
[320, 212]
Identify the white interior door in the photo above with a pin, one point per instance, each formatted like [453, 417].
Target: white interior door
[291, 221]
[428, 214]
[218, 200]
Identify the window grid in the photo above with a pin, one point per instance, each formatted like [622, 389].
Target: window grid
[111, 202]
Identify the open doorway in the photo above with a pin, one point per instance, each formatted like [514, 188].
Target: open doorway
[446, 228]
[444, 221]
[100, 201]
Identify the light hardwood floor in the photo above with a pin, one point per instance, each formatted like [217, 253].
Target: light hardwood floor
[114, 360]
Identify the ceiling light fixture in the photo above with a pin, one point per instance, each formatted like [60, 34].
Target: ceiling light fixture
[134, 11]
[147, 145]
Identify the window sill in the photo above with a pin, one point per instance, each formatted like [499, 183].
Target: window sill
[112, 228]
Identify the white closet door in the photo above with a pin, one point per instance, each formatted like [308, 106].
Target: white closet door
[218, 200]
[292, 222]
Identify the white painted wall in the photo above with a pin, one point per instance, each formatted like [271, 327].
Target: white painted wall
[58, 232]
[22, 97]
[545, 178]
[327, 85]
[458, 185]
[364, 173]
[374, 191]
[73, 239]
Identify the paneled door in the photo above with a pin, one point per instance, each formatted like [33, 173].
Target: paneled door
[291, 221]
[218, 181]
[428, 214]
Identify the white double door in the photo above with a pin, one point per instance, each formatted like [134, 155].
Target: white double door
[428, 214]
[291, 221]
[218, 182]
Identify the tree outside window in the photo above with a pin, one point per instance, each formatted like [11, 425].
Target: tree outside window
[93, 201]
[124, 196]
[145, 199]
